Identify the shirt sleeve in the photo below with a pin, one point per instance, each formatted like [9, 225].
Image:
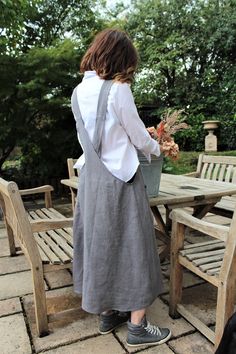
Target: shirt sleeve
[127, 113]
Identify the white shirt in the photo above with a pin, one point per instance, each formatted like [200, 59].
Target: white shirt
[124, 131]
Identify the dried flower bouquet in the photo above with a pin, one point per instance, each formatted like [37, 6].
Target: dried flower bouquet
[163, 133]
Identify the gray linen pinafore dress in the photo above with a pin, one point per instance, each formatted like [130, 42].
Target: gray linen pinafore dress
[116, 264]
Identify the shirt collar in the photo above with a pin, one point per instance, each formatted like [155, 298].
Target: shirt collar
[89, 74]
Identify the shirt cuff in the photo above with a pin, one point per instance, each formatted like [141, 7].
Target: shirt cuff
[153, 149]
[80, 162]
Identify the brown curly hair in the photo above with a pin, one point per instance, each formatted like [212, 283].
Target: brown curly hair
[112, 55]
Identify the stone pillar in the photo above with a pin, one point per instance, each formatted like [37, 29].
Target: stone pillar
[210, 139]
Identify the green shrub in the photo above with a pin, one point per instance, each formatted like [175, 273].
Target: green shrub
[192, 139]
[227, 134]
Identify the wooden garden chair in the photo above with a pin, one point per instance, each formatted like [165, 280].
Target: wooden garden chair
[46, 190]
[214, 261]
[218, 168]
[45, 237]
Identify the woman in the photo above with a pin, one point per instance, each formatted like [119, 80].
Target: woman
[116, 266]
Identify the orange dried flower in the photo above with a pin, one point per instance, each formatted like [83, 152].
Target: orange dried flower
[160, 129]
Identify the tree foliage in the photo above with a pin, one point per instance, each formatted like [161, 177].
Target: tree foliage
[42, 43]
[187, 58]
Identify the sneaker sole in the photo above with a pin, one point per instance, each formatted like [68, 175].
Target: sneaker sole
[151, 343]
[112, 329]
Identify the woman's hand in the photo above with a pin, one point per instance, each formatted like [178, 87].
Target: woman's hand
[152, 131]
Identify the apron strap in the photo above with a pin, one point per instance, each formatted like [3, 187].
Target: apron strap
[79, 120]
[101, 115]
[100, 118]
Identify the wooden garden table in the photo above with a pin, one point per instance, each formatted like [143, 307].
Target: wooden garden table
[179, 191]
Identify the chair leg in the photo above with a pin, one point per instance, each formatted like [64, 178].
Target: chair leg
[11, 240]
[48, 200]
[73, 199]
[40, 302]
[176, 270]
[225, 307]
[10, 234]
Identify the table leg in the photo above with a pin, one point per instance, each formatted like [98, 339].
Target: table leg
[200, 211]
[168, 220]
[164, 252]
[162, 233]
[158, 218]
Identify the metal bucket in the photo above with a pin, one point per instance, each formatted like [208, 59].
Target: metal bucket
[151, 173]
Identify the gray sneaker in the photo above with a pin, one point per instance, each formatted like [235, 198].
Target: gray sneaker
[145, 333]
[109, 322]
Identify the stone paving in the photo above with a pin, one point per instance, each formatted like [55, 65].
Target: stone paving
[77, 331]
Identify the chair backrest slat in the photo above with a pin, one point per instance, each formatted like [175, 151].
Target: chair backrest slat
[71, 170]
[228, 176]
[209, 171]
[204, 170]
[216, 172]
[234, 175]
[222, 173]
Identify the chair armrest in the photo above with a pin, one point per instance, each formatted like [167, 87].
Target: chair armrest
[47, 189]
[50, 224]
[41, 189]
[217, 231]
[192, 174]
[71, 182]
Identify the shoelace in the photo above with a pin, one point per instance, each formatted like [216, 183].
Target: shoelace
[152, 329]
